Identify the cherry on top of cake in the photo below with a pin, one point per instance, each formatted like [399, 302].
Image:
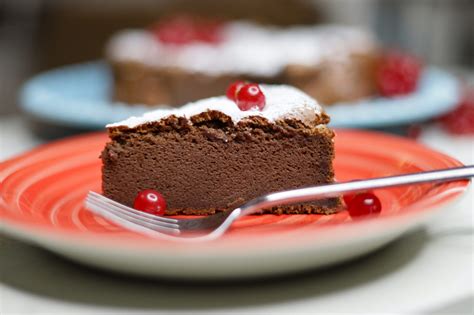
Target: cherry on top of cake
[281, 102]
[185, 30]
[237, 47]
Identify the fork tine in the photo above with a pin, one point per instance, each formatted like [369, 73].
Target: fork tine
[104, 199]
[132, 216]
[154, 225]
[138, 216]
[131, 225]
[129, 222]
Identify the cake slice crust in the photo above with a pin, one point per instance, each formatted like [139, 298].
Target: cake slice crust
[208, 163]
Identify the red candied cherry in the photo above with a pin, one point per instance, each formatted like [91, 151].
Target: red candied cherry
[184, 29]
[398, 74]
[178, 30]
[250, 96]
[233, 88]
[208, 31]
[364, 204]
[150, 201]
[348, 197]
[461, 119]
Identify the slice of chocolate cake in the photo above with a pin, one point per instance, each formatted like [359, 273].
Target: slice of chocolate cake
[211, 156]
[157, 66]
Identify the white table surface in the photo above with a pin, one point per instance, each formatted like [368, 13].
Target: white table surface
[429, 271]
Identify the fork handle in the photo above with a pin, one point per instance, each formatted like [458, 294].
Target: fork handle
[336, 189]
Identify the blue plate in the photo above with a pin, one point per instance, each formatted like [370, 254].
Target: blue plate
[79, 96]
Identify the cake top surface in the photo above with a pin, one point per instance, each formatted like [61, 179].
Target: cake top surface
[246, 48]
[282, 102]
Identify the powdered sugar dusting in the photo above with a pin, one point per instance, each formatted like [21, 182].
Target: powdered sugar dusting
[247, 48]
[282, 102]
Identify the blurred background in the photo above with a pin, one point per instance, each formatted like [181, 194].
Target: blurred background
[36, 35]
[39, 35]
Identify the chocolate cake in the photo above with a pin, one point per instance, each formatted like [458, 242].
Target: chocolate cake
[330, 63]
[211, 156]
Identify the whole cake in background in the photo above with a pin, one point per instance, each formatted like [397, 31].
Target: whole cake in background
[218, 153]
[182, 59]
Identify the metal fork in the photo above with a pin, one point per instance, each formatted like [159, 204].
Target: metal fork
[213, 226]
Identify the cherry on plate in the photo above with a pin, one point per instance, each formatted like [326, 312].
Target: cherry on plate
[364, 204]
[150, 201]
[350, 196]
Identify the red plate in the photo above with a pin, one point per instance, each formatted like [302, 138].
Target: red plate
[43, 191]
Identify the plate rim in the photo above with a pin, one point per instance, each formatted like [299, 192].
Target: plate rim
[354, 132]
[78, 246]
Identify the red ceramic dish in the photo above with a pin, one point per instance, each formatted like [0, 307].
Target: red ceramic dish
[43, 191]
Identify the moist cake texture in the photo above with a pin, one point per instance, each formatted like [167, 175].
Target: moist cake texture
[332, 63]
[209, 156]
